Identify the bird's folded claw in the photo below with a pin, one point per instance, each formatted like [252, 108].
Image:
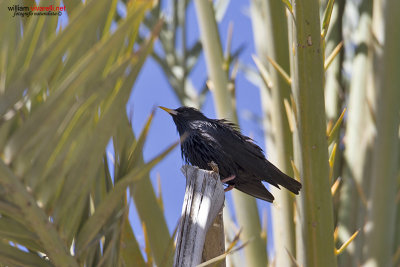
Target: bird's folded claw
[229, 188]
[214, 166]
[230, 178]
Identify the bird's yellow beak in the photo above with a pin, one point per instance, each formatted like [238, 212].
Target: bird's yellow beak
[170, 111]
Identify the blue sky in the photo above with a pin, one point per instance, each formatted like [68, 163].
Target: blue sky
[152, 89]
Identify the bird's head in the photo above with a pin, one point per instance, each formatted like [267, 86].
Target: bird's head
[185, 117]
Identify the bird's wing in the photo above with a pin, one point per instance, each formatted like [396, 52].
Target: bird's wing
[245, 153]
[250, 157]
[200, 149]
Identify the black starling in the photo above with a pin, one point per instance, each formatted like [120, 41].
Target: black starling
[241, 163]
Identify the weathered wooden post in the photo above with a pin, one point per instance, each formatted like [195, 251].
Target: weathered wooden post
[204, 199]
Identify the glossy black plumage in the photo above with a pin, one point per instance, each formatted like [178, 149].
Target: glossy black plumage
[219, 141]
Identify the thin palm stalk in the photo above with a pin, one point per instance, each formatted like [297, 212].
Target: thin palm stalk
[385, 168]
[245, 206]
[310, 145]
[269, 18]
[357, 159]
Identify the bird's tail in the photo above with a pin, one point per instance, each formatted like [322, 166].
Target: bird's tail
[255, 189]
[282, 179]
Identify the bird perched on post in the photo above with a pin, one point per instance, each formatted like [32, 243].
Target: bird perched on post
[241, 163]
